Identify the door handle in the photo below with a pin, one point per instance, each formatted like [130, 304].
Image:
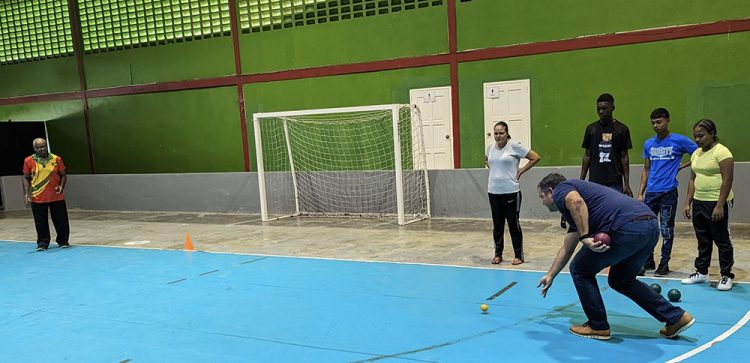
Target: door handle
[447, 137]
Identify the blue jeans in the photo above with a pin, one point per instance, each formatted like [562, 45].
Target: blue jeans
[630, 246]
[664, 205]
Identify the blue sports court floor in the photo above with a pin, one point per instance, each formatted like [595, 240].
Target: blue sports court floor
[103, 304]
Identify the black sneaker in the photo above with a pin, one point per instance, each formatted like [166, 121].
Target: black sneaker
[65, 246]
[663, 270]
[650, 265]
[41, 248]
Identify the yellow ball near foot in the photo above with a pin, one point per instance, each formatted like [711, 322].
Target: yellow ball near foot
[483, 307]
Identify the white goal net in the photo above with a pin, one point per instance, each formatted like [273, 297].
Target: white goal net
[356, 161]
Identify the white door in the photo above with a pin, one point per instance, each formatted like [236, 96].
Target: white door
[508, 101]
[437, 120]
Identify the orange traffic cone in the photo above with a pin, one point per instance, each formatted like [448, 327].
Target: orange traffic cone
[188, 243]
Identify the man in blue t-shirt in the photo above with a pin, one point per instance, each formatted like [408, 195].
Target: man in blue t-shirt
[662, 156]
[591, 208]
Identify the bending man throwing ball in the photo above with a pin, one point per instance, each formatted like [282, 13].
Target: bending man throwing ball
[591, 208]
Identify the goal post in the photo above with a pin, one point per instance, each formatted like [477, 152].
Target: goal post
[366, 161]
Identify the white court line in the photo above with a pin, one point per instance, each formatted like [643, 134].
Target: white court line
[710, 344]
[134, 243]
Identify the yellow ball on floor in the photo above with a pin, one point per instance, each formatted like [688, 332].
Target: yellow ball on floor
[483, 307]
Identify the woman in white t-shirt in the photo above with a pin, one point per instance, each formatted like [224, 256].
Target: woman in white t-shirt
[503, 158]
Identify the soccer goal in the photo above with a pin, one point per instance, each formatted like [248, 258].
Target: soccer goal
[366, 161]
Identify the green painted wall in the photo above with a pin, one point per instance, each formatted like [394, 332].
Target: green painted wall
[493, 23]
[39, 77]
[67, 135]
[199, 131]
[65, 127]
[40, 111]
[196, 59]
[187, 131]
[395, 35]
[693, 78]
[339, 91]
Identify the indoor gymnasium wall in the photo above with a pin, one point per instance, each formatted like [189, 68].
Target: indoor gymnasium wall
[170, 132]
[400, 34]
[196, 59]
[36, 49]
[564, 84]
[686, 76]
[495, 23]
[348, 53]
[39, 77]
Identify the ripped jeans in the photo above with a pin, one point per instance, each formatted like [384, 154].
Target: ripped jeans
[664, 205]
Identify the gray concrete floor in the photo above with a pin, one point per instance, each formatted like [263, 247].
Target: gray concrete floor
[463, 242]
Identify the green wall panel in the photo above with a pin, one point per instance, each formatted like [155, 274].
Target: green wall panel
[723, 104]
[494, 23]
[40, 111]
[693, 78]
[196, 59]
[180, 132]
[339, 91]
[396, 35]
[67, 137]
[65, 127]
[39, 77]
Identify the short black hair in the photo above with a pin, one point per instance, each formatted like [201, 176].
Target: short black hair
[605, 97]
[709, 126]
[551, 181]
[659, 112]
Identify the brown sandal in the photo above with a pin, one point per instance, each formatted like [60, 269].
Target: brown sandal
[517, 261]
[497, 260]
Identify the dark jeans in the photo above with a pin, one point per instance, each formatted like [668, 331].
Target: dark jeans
[664, 205]
[506, 207]
[59, 213]
[709, 232]
[630, 246]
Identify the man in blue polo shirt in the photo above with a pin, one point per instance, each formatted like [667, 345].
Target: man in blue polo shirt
[662, 156]
[589, 209]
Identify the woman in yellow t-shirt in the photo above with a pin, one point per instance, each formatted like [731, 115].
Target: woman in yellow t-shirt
[710, 196]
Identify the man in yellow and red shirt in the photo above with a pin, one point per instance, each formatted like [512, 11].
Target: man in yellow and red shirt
[43, 183]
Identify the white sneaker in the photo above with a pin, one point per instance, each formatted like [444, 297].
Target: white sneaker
[725, 284]
[695, 278]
